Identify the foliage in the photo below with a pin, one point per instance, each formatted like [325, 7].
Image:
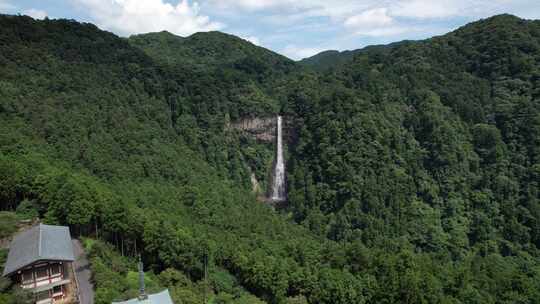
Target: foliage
[413, 170]
[27, 210]
[8, 224]
[9, 293]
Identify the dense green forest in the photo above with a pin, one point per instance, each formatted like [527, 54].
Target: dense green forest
[413, 170]
[327, 60]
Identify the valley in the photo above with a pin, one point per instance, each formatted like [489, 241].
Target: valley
[407, 173]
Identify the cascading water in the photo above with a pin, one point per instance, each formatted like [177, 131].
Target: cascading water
[278, 187]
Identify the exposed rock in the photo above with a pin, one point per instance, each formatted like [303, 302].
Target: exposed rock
[263, 129]
[255, 184]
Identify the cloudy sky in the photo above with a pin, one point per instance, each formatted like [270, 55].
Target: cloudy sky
[295, 28]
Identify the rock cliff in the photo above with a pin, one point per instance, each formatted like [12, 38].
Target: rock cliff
[262, 128]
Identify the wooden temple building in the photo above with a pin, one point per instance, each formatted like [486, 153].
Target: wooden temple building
[39, 261]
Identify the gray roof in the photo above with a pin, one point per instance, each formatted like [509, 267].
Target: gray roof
[41, 242]
[158, 298]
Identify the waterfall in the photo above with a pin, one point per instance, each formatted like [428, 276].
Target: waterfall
[278, 187]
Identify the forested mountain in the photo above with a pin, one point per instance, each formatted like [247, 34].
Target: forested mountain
[211, 50]
[96, 136]
[431, 145]
[226, 79]
[413, 170]
[326, 60]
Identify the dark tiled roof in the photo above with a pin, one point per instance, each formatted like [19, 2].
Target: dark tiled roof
[42, 242]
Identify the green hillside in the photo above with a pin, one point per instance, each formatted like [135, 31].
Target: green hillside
[90, 137]
[413, 170]
[327, 60]
[432, 145]
[210, 50]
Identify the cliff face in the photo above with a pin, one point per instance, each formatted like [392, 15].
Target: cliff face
[262, 128]
[264, 131]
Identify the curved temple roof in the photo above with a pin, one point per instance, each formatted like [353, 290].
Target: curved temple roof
[42, 242]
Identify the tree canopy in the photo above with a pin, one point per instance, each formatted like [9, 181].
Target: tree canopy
[413, 170]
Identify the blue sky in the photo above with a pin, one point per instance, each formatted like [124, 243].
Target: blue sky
[294, 28]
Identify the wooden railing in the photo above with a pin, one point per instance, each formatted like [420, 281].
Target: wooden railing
[42, 281]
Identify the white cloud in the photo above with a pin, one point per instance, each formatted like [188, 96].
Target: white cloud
[127, 17]
[295, 52]
[313, 8]
[360, 17]
[6, 6]
[370, 19]
[428, 8]
[341, 9]
[472, 9]
[387, 31]
[35, 13]
[299, 24]
[254, 5]
[376, 23]
[252, 39]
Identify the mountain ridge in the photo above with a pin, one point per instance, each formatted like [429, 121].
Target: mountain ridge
[413, 173]
[328, 59]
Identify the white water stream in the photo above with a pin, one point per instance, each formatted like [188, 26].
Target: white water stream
[278, 188]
